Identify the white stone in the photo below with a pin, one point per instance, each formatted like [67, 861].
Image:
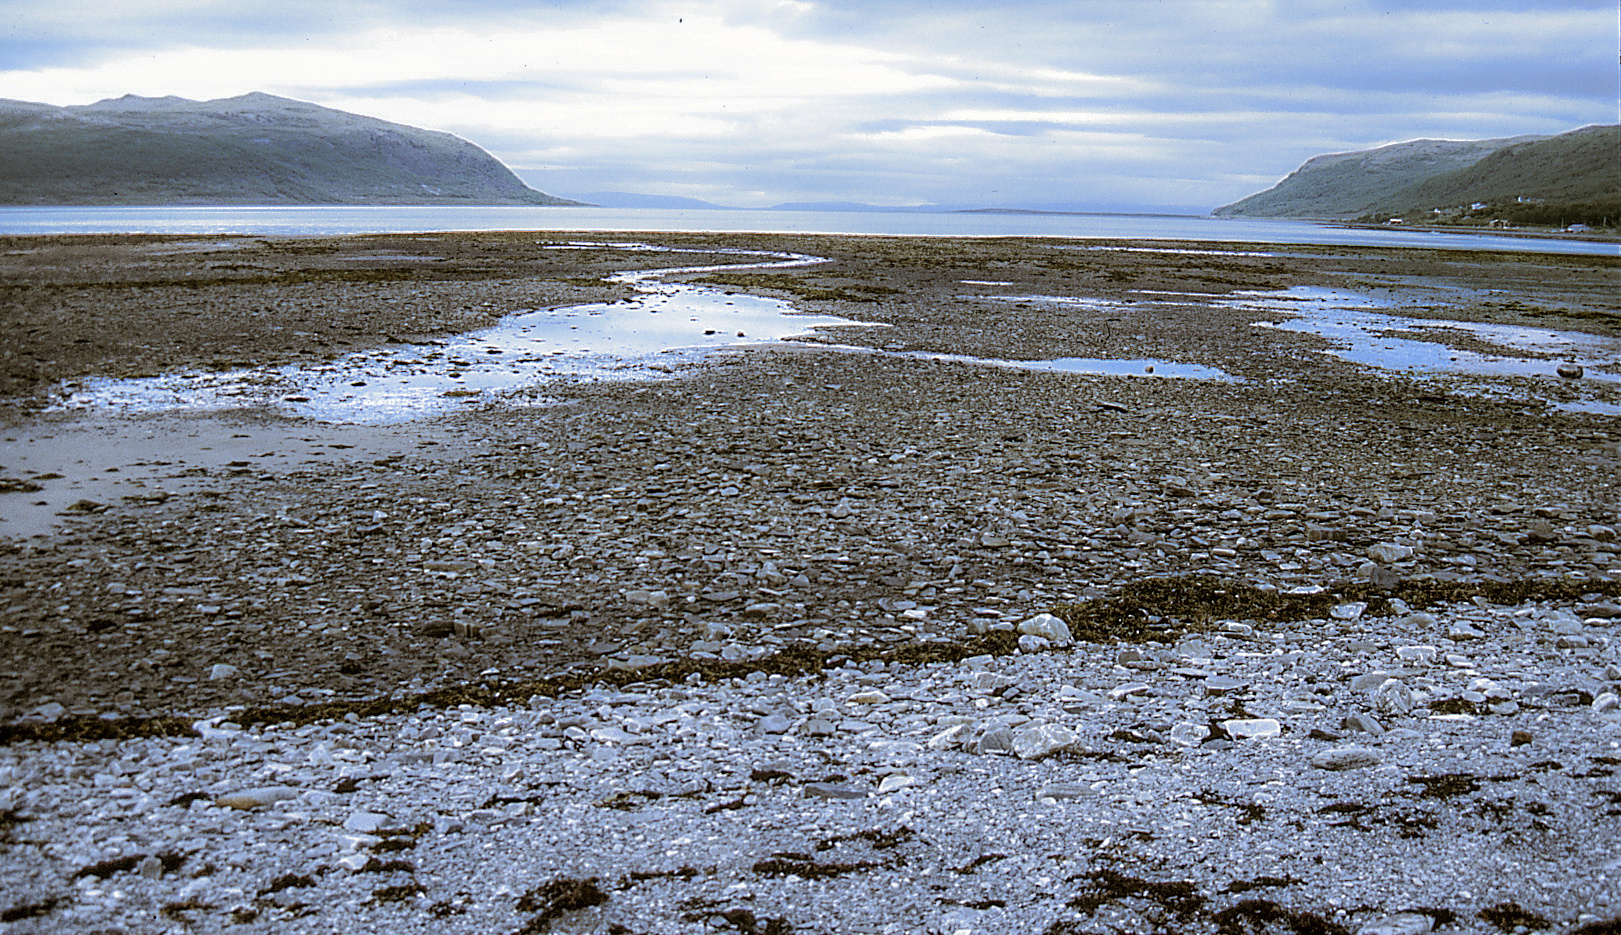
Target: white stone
[871, 696]
[1368, 681]
[1345, 758]
[221, 670]
[774, 724]
[1388, 552]
[1421, 654]
[999, 739]
[365, 822]
[898, 752]
[950, 738]
[1393, 698]
[1034, 742]
[1189, 734]
[1048, 627]
[1123, 692]
[615, 735]
[1063, 790]
[1246, 728]
[50, 711]
[1193, 648]
[895, 781]
[1402, 923]
[1348, 611]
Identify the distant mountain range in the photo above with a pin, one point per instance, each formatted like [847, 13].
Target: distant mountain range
[639, 200]
[256, 149]
[1578, 169]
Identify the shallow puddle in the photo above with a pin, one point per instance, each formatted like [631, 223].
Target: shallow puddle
[663, 327]
[1364, 332]
[1092, 366]
[1098, 366]
[1136, 367]
[1366, 335]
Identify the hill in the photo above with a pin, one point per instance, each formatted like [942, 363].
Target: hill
[1348, 185]
[1576, 168]
[639, 200]
[256, 149]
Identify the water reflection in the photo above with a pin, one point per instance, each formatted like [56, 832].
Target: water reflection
[1363, 332]
[665, 326]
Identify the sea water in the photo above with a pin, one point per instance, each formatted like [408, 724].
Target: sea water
[338, 220]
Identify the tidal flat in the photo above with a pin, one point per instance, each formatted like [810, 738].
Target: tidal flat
[731, 543]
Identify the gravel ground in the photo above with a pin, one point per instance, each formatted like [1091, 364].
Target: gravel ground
[735, 650]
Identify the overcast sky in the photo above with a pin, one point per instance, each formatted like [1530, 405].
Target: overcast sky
[755, 102]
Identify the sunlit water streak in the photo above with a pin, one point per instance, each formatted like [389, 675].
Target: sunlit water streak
[664, 327]
[1362, 331]
[331, 220]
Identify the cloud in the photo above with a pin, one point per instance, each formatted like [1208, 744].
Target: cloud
[755, 101]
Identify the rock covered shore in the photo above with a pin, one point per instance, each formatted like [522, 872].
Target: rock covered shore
[739, 650]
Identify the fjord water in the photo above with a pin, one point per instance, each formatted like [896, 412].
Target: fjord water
[337, 220]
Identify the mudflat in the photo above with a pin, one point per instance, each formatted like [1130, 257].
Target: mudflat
[872, 503]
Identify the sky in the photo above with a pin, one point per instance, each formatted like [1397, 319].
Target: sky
[1086, 104]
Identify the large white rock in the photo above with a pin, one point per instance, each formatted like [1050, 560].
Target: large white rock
[895, 781]
[1246, 728]
[1388, 552]
[950, 738]
[1049, 628]
[1189, 734]
[1420, 654]
[1393, 698]
[1034, 742]
[365, 822]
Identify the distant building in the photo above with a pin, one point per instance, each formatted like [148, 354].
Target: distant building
[1478, 206]
[1397, 221]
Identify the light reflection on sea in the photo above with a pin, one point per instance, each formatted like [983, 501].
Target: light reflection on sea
[329, 220]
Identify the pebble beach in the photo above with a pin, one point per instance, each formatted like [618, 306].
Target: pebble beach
[917, 620]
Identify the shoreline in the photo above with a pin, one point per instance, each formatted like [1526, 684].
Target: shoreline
[882, 521]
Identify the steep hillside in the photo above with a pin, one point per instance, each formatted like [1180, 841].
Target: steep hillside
[256, 149]
[1347, 185]
[1580, 166]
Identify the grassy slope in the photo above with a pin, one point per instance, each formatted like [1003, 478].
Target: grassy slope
[1579, 167]
[1584, 165]
[1353, 184]
[251, 150]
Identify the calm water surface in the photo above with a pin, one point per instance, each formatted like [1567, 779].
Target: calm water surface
[311, 221]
